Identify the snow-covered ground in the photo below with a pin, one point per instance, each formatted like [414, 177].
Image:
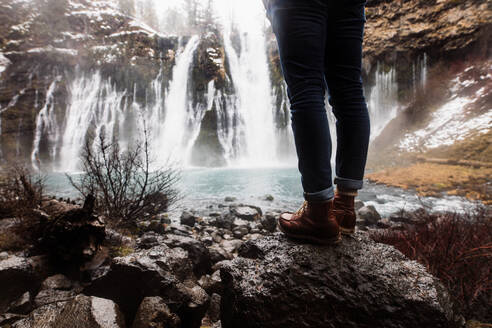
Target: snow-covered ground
[453, 121]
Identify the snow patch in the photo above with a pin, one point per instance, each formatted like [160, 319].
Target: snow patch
[448, 125]
[4, 63]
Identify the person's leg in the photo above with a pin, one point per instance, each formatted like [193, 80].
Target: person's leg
[345, 31]
[300, 28]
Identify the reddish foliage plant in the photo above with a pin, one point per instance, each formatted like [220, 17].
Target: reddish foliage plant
[456, 248]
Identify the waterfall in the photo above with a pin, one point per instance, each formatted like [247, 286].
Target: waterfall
[419, 73]
[253, 107]
[95, 108]
[383, 100]
[46, 124]
[175, 134]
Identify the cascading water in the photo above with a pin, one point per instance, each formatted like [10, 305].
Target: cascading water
[249, 130]
[250, 76]
[95, 108]
[46, 125]
[176, 134]
[383, 101]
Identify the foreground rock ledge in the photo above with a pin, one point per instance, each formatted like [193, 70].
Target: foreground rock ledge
[358, 283]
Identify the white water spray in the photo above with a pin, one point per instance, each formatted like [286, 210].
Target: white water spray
[383, 101]
[174, 134]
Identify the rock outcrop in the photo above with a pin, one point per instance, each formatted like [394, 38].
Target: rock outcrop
[359, 283]
[44, 46]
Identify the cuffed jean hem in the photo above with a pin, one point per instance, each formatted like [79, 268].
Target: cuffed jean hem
[348, 183]
[325, 194]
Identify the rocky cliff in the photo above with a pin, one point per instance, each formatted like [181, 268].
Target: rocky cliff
[45, 44]
[409, 46]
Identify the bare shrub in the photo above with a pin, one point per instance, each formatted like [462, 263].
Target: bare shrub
[456, 248]
[20, 192]
[124, 184]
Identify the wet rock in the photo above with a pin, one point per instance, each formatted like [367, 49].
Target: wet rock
[250, 250]
[358, 204]
[358, 276]
[269, 221]
[240, 232]
[239, 223]
[188, 219]
[197, 252]
[8, 318]
[213, 312]
[268, 198]
[157, 271]
[153, 312]
[222, 222]
[115, 238]
[232, 245]
[211, 283]
[230, 199]
[74, 236]
[369, 215]
[42, 317]
[192, 314]
[57, 281]
[179, 229]
[248, 212]
[90, 312]
[218, 254]
[54, 289]
[20, 274]
[22, 305]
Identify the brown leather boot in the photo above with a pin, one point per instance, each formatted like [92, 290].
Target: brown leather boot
[344, 211]
[313, 222]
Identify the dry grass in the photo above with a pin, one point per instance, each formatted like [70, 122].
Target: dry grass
[456, 248]
[432, 179]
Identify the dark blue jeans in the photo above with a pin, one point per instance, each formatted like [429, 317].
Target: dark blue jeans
[320, 45]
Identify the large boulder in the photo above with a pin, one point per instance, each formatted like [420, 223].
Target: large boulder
[42, 317]
[358, 283]
[89, 312]
[74, 236]
[157, 271]
[198, 253]
[20, 274]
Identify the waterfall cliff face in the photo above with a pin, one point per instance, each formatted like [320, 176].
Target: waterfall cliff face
[212, 99]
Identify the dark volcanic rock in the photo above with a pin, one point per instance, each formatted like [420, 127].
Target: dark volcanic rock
[369, 215]
[198, 253]
[89, 312]
[188, 219]
[358, 283]
[269, 221]
[153, 312]
[42, 317]
[74, 236]
[18, 275]
[157, 271]
[246, 212]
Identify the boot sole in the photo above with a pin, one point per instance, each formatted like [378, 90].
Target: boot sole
[324, 241]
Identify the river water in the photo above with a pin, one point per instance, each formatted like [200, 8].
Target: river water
[201, 187]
